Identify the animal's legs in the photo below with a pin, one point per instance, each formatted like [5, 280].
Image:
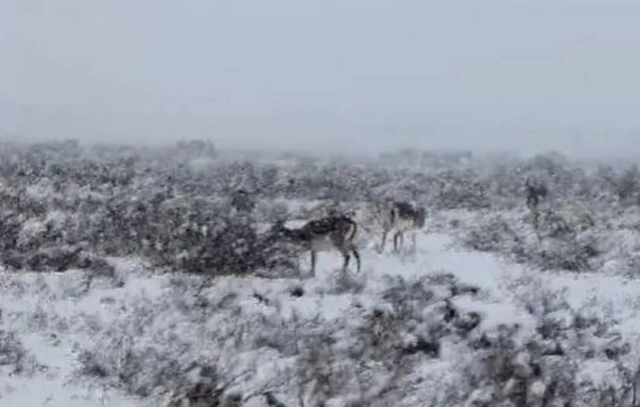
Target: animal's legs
[396, 240]
[384, 238]
[357, 256]
[313, 263]
[345, 255]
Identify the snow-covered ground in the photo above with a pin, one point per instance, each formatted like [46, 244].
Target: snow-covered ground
[59, 317]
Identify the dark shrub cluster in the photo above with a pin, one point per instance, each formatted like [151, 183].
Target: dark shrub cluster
[556, 244]
[192, 207]
[552, 365]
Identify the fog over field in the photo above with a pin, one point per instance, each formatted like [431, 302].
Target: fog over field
[159, 161]
[358, 75]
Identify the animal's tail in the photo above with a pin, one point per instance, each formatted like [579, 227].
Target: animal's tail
[353, 230]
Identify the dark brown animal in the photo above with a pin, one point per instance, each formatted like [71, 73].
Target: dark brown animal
[332, 233]
[399, 218]
[535, 192]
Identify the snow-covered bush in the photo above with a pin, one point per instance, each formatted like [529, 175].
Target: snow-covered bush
[231, 340]
[14, 358]
[462, 191]
[493, 234]
[553, 363]
[121, 200]
[555, 244]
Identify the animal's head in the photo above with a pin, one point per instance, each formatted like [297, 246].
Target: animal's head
[543, 190]
[278, 228]
[527, 182]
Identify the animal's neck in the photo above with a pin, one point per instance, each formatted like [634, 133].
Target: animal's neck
[294, 234]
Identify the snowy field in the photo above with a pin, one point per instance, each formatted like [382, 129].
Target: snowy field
[57, 317]
[480, 312]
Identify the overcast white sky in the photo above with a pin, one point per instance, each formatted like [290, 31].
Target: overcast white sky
[353, 75]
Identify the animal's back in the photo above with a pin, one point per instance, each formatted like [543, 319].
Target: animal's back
[322, 226]
[404, 216]
[324, 234]
[404, 210]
